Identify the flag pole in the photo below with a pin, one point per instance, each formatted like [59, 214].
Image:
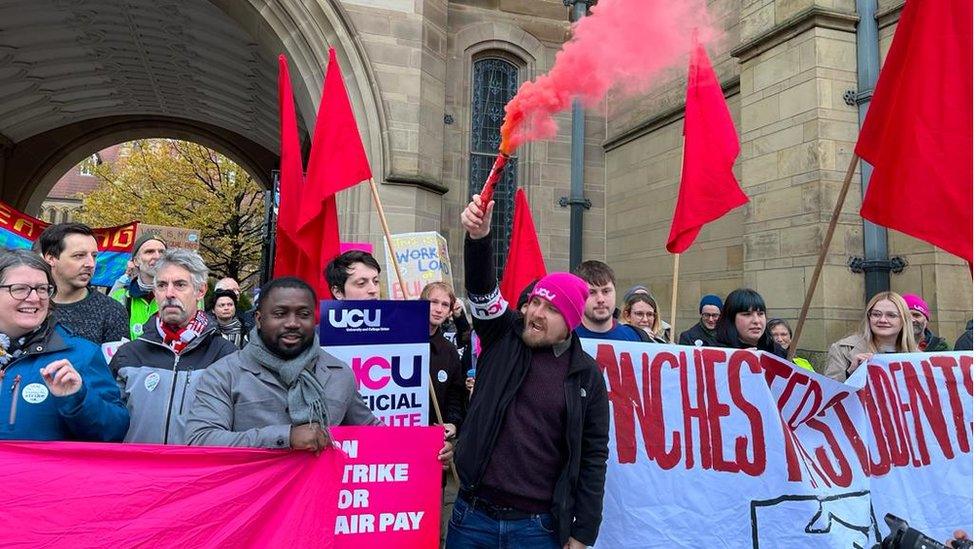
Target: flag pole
[403, 289]
[674, 296]
[812, 285]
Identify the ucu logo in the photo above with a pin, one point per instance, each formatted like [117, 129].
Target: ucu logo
[545, 294]
[354, 318]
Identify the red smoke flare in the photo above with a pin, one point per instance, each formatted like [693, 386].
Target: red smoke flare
[622, 44]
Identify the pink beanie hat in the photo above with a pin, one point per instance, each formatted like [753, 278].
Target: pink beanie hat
[567, 293]
[916, 303]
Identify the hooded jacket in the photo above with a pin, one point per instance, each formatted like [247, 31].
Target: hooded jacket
[30, 412]
[577, 500]
[158, 385]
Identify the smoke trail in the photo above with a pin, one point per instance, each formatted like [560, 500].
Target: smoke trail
[622, 44]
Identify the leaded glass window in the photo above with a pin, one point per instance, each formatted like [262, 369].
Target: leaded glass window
[494, 82]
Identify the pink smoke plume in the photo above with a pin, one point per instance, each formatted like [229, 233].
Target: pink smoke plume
[622, 44]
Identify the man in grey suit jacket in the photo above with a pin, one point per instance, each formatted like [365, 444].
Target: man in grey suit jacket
[281, 390]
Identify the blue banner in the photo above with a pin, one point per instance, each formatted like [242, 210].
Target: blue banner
[374, 322]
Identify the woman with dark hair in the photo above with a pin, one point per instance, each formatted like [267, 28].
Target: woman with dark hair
[743, 323]
[223, 305]
[55, 385]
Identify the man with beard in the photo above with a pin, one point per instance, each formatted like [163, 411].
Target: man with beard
[601, 301]
[926, 340]
[532, 456]
[71, 251]
[159, 371]
[137, 296]
[282, 390]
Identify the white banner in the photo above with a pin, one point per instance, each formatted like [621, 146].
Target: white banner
[387, 345]
[727, 448]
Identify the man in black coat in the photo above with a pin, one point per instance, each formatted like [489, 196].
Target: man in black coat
[532, 456]
[703, 334]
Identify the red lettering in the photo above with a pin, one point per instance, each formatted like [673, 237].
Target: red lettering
[852, 435]
[843, 476]
[919, 401]
[758, 464]
[716, 410]
[947, 364]
[700, 411]
[667, 459]
[623, 399]
[891, 421]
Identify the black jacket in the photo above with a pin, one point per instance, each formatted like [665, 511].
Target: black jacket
[447, 378]
[698, 333]
[577, 502]
[965, 341]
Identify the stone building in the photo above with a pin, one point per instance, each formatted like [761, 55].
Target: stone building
[61, 202]
[427, 79]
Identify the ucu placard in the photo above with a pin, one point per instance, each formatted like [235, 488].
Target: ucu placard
[386, 344]
[355, 318]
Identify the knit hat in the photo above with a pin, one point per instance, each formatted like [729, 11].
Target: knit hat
[710, 299]
[526, 294]
[145, 237]
[634, 290]
[567, 293]
[916, 303]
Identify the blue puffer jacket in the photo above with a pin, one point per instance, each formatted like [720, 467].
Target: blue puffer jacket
[28, 410]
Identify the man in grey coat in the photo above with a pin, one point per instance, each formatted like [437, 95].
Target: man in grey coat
[281, 390]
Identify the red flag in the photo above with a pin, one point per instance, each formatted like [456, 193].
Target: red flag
[918, 133]
[524, 263]
[708, 189]
[338, 160]
[287, 252]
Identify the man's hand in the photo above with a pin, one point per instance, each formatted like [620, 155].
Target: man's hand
[469, 384]
[61, 378]
[450, 430]
[475, 219]
[457, 309]
[573, 544]
[309, 436]
[446, 453]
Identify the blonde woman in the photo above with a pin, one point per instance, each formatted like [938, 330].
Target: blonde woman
[887, 328]
[640, 311]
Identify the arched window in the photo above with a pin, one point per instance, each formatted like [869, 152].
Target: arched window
[493, 83]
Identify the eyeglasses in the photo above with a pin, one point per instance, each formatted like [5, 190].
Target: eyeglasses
[878, 315]
[712, 316]
[648, 314]
[23, 291]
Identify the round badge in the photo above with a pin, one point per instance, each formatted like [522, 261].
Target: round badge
[699, 343]
[441, 376]
[137, 329]
[35, 393]
[152, 380]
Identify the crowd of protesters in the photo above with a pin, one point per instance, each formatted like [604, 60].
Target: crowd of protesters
[528, 404]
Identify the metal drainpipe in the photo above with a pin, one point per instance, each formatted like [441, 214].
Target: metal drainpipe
[876, 265]
[576, 201]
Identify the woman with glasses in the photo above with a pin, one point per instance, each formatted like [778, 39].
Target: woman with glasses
[640, 310]
[54, 385]
[886, 328]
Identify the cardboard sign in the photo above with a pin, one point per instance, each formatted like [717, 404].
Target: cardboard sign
[391, 487]
[174, 237]
[423, 258]
[387, 345]
[737, 448]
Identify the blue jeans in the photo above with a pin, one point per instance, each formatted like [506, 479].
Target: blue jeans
[472, 529]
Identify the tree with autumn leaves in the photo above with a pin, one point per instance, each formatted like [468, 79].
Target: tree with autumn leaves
[183, 184]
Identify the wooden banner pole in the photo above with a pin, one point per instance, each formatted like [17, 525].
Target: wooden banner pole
[812, 285]
[674, 297]
[403, 290]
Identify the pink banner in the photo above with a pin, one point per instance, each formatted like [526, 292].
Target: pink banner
[67, 494]
[391, 487]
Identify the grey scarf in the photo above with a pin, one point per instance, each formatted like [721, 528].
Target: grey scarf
[306, 396]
